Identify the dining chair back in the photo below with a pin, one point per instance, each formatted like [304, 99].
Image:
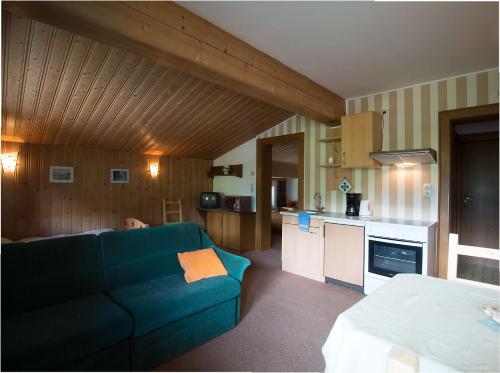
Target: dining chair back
[454, 250]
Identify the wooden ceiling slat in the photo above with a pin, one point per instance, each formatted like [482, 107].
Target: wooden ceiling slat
[202, 119]
[41, 83]
[245, 133]
[25, 64]
[62, 88]
[5, 59]
[73, 73]
[152, 97]
[134, 64]
[80, 91]
[212, 125]
[168, 113]
[58, 62]
[237, 126]
[94, 97]
[16, 52]
[160, 104]
[110, 65]
[110, 125]
[178, 117]
[250, 133]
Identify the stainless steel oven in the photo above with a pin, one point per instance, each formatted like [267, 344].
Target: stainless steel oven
[388, 257]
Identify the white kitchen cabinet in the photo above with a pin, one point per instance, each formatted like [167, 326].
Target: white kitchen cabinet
[303, 252]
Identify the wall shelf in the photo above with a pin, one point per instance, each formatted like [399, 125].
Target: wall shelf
[329, 165]
[234, 170]
[330, 139]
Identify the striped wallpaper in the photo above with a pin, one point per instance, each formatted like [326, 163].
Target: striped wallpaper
[411, 122]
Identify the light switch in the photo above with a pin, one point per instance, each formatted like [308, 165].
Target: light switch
[427, 190]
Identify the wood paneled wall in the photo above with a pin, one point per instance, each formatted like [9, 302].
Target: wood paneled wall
[31, 206]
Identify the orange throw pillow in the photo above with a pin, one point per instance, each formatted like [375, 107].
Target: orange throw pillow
[201, 264]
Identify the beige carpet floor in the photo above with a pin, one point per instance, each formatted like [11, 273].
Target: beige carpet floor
[285, 320]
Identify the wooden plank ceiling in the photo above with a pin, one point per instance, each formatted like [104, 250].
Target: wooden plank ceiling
[287, 152]
[60, 88]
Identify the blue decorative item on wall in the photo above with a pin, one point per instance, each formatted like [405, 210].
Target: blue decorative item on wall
[345, 186]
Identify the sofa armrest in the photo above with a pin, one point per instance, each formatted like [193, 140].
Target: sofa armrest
[235, 264]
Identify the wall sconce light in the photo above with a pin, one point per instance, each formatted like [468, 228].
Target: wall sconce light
[9, 162]
[153, 169]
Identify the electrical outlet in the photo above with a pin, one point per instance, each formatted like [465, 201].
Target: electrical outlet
[427, 190]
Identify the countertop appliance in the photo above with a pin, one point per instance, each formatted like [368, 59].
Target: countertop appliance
[396, 248]
[365, 208]
[238, 203]
[352, 201]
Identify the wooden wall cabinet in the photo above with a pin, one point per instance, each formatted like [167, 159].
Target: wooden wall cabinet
[344, 253]
[233, 231]
[303, 252]
[361, 135]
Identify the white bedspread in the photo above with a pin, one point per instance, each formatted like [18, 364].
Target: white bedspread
[439, 320]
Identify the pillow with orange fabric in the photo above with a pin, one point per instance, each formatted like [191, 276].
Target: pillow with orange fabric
[200, 264]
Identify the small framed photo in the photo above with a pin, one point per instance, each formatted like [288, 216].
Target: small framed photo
[119, 175]
[61, 174]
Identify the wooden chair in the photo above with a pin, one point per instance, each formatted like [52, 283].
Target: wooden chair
[454, 250]
[131, 223]
[167, 209]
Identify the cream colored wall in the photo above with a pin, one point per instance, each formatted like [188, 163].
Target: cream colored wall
[411, 122]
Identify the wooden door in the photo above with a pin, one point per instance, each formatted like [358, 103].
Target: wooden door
[361, 134]
[231, 231]
[214, 226]
[344, 253]
[477, 204]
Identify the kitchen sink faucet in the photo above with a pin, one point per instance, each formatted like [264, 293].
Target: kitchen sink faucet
[317, 196]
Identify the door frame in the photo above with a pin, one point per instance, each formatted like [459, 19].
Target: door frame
[448, 169]
[263, 185]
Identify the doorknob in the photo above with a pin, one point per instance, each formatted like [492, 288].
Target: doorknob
[467, 198]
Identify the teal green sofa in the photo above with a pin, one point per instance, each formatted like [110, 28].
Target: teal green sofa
[114, 302]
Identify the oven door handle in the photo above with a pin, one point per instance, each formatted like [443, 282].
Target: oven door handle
[397, 242]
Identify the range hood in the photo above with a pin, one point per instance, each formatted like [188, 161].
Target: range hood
[405, 158]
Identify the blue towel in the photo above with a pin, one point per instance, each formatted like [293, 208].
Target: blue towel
[304, 220]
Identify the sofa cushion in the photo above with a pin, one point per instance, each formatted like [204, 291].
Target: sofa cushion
[158, 302]
[42, 273]
[138, 255]
[200, 264]
[51, 337]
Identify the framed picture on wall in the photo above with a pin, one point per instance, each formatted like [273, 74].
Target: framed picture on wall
[119, 175]
[61, 174]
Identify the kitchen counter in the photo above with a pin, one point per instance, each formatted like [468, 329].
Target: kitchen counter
[340, 218]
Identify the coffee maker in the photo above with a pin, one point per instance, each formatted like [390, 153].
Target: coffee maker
[353, 200]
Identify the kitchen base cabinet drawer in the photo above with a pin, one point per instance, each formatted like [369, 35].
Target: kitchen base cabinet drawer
[303, 252]
[288, 219]
[344, 253]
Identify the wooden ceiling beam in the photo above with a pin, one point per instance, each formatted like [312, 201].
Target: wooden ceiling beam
[174, 37]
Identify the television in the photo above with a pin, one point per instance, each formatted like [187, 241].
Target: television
[210, 200]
